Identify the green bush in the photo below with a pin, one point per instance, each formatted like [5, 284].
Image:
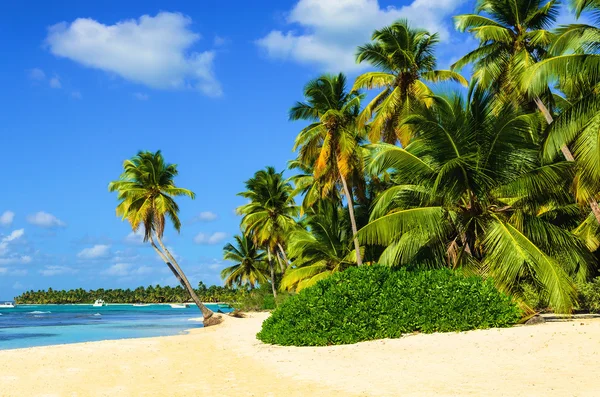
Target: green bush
[589, 296]
[374, 302]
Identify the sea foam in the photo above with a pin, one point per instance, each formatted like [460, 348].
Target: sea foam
[38, 312]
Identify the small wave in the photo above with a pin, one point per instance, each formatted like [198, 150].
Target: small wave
[38, 312]
[97, 314]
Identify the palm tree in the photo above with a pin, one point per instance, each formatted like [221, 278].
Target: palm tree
[146, 190]
[323, 249]
[249, 268]
[331, 141]
[404, 57]
[269, 216]
[576, 70]
[469, 192]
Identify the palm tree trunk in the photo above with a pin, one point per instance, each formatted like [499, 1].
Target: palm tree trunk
[352, 220]
[272, 269]
[287, 262]
[209, 317]
[164, 258]
[567, 153]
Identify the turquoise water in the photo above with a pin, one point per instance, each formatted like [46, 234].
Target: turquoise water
[41, 325]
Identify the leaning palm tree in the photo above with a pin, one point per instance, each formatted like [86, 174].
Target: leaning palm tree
[470, 192]
[332, 141]
[322, 249]
[145, 190]
[249, 268]
[405, 62]
[270, 214]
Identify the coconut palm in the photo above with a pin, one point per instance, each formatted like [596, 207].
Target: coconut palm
[405, 62]
[146, 192]
[576, 71]
[331, 141]
[512, 36]
[322, 249]
[249, 268]
[270, 214]
[471, 193]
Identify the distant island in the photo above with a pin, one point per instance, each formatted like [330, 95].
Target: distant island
[150, 294]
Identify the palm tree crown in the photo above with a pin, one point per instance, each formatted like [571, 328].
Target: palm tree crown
[405, 59]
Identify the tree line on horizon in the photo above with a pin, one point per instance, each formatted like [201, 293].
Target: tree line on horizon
[499, 178]
[150, 294]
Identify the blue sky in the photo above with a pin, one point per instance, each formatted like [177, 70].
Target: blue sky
[88, 84]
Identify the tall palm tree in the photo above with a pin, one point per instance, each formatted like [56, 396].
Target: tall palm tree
[575, 69]
[331, 141]
[249, 268]
[405, 60]
[270, 214]
[322, 249]
[471, 193]
[145, 190]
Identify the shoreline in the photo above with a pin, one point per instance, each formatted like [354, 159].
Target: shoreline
[551, 359]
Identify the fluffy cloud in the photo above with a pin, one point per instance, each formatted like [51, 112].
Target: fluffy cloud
[55, 82]
[205, 216]
[44, 219]
[37, 74]
[127, 269]
[5, 241]
[140, 97]
[154, 51]
[95, 252]
[330, 30]
[135, 237]
[210, 239]
[7, 218]
[6, 256]
[57, 270]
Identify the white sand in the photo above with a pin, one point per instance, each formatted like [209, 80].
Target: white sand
[552, 359]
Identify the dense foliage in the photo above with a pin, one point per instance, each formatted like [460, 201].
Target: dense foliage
[589, 296]
[150, 294]
[373, 302]
[500, 179]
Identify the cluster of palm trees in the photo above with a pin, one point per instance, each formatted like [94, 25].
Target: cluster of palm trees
[500, 179]
[150, 294]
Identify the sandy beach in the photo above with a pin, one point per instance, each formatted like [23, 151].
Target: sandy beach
[552, 359]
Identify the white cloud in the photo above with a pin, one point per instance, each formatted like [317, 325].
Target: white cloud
[44, 219]
[7, 218]
[141, 97]
[154, 51]
[95, 252]
[205, 216]
[37, 74]
[4, 241]
[332, 29]
[76, 95]
[127, 269]
[135, 237]
[55, 82]
[57, 270]
[210, 239]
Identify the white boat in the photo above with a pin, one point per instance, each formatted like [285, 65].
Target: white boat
[141, 304]
[6, 305]
[99, 303]
[179, 305]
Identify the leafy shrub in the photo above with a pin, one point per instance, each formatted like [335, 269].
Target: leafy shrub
[374, 302]
[535, 298]
[589, 296]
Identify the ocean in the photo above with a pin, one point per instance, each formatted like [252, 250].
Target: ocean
[42, 325]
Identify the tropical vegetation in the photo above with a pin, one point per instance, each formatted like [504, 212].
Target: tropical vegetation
[499, 180]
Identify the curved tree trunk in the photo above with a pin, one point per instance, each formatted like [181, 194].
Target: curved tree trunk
[272, 269]
[567, 153]
[285, 258]
[164, 258]
[209, 317]
[352, 220]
